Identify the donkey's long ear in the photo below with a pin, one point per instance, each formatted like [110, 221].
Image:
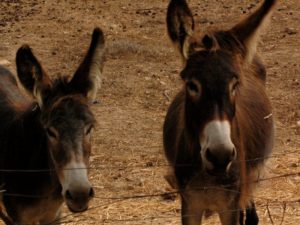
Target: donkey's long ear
[87, 79]
[249, 30]
[31, 74]
[180, 24]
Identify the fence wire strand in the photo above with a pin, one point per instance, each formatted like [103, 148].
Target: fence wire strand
[116, 199]
[214, 187]
[146, 165]
[65, 219]
[175, 216]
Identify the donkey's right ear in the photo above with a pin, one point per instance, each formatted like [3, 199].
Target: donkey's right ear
[87, 78]
[31, 74]
[180, 24]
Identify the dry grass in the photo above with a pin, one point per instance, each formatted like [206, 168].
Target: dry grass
[141, 70]
[118, 48]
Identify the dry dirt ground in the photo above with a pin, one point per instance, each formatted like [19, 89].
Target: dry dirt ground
[140, 78]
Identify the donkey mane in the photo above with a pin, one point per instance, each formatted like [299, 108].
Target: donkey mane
[216, 39]
[228, 42]
[61, 86]
[19, 120]
[15, 105]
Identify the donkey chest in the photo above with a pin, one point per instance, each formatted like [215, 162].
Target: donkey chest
[212, 193]
[210, 199]
[45, 210]
[214, 200]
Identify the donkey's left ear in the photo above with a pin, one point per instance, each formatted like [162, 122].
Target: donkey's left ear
[248, 31]
[180, 24]
[31, 74]
[87, 78]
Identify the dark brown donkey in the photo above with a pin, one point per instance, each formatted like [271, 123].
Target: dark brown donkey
[45, 141]
[219, 128]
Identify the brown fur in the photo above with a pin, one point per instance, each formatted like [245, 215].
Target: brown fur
[220, 63]
[50, 134]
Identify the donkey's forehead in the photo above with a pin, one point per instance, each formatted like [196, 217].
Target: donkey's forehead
[211, 66]
[70, 110]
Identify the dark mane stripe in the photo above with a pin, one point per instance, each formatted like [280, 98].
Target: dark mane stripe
[13, 103]
[19, 120]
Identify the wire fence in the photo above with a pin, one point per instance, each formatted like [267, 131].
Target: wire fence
[64, 219]
[214, 187]
[69, 218]
[112, 200]
[145, 165]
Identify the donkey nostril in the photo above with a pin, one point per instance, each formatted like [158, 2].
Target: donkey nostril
[68, 195]
[91, 193]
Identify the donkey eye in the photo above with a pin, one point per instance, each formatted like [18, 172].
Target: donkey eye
[194, 88]
[89, 129]
[51, 133]
[234, 86]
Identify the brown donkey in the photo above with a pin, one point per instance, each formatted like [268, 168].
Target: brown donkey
[45, 141]
[219, 128]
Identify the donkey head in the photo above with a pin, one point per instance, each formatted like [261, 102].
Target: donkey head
[66, 116]
[213, 75]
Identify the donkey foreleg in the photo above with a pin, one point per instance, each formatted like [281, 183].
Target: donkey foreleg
[191, 214]
[242, 216]
[52, 220]
[230, 217]
[251, 215]
[231, 214]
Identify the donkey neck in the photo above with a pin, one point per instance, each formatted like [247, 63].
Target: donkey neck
[26, 149]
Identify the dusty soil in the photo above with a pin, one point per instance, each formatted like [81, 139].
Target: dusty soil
[140, 78]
